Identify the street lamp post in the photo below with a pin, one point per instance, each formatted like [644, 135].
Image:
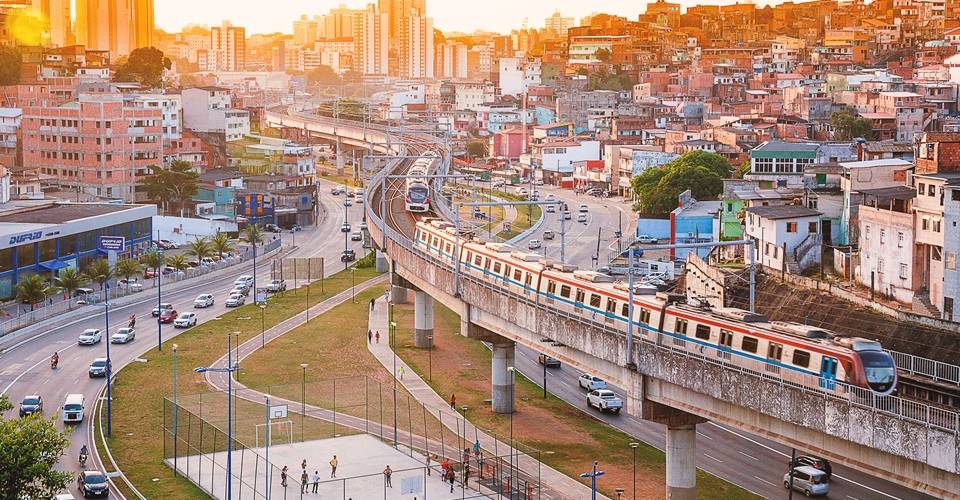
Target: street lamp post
[159, 274]
[263, 330]
[393, 347]
[229, 371]
[513, 408]
[266, 453]
[106, 331]
[593, 480]
[430, 357]
[174, 410]
[303, 398]
[634, 446]
[353, 275]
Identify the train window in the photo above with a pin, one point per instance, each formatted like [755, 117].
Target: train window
[478, 260]
[625, 310]
[775, 351]
[496, 267]
[749, 344]
[565, 291]
[469, 256]
[419, 235]
[528, 279]
[506, 270]
[703, 332]
[517, 274]
[551, 287]
[644, 315]
[726, 338]
[680, 326]
[594, 300]
[611, 306]
[801, 358]
[580, 296]
[436, 242]
[447, 249]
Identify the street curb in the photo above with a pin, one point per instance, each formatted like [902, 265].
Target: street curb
[533, 228]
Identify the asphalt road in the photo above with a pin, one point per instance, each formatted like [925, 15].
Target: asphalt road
[751, 462]
[25, 369]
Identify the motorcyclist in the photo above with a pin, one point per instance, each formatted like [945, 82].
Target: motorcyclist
[54, 360]
[83, 455]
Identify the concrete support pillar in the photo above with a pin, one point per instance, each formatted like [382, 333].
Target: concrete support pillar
[682, 462]
[383, 264]
[339, 157]
[423, 320]
[503, 357]
[398, 294]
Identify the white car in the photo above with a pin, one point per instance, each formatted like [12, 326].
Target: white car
[363, 226]
[90, 336]
[604, 400]
[646, 238]
[583, 208]
[203, 300]
[130, 284]
[356, 236]
[345, 227]
[551, 209]
[348, 202]
[246, 279]
[566, 215]
[235, 300]
[534, 244]
[582, 218]
[185, 320]
[548, 235]
[358, 199]
[591, 382]
[123, 336]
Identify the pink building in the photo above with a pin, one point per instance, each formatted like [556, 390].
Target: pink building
[507, 144]
[95, 143]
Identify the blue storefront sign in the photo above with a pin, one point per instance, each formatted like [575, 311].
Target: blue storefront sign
[111, 243]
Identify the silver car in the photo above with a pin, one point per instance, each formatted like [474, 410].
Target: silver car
[807, 479]
[123, 336]
[90, 336]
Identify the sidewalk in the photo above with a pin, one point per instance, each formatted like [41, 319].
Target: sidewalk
[554, 484]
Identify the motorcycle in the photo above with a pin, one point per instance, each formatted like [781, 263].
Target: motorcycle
[53, 363]
[83, 460]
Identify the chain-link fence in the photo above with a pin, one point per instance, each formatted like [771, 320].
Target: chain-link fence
[196, 432]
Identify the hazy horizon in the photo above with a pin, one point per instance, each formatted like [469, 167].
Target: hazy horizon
[448, 15]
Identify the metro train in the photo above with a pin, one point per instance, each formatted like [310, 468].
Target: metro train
[797, 353]
[417, 193]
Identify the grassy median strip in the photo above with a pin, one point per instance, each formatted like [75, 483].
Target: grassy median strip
[526, 215]
[569, 440]
[139, 390]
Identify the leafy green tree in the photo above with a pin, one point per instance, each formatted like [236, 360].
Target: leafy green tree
[742, 170]
[323, 75]
[848, 126]
[99, 272]
[178, 262]
[603, 55]
[10, 65]
[476, 149]
[221, 244]
[144, 66]
[656, 190]
[253, 234]
[126, 268]
[172, 186]
[200, 248]
[32, 290]
[68, 281]
[149, 258]
[29, 450]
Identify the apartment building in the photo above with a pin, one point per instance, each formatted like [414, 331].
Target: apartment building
[208, 109]
[228, 48]
[96, 144]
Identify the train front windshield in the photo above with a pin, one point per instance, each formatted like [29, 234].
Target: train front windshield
[880, 370]
[417, 194]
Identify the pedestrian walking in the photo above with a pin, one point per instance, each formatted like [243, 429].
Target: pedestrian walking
[316, 480]
[401, 373]
[386, 477]
[303, 482]
[303, 465]
[453, 401]
[452, 477]
[428, 464]
[283, 476]
[373, 304]
[369, 336]
[466, 473]
[476, 449]
[378, 336]
[444, 467]
[333, 466]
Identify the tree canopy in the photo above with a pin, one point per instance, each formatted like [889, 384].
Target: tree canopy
[656, 189]
[10, 60]
[848, 126]
[604, 80]
[144, 66]
[476, 149]
[29, 450]
[323, 75]
[175, 185]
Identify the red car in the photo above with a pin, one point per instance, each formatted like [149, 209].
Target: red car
[168, 315]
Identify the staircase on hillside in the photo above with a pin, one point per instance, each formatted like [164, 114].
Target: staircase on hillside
[922, 305]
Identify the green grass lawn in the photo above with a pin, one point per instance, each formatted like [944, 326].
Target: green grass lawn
[568, 439]
[139, 390]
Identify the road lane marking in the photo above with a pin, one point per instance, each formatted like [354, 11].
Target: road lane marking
[704, 436]
[762, 480]
[748, 455]
[712, 457]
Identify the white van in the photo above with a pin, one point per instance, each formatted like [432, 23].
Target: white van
[73, 408]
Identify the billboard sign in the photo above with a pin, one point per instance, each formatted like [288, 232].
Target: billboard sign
[111, 243]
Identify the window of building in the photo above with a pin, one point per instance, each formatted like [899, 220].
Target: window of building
[48, 250]
[880, 266]
[883, 236]
[926, 223]
[801, 358]
[931, 190]
[6, 260]
[903, 271]
[25, 256]
[936, 225]
[900, 239]
[955, 194]
[866, 232]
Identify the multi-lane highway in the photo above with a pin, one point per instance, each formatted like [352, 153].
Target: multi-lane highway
[25, 367]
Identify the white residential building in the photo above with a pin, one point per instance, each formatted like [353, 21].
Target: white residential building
[227, 48]
[170, 105]
[208, 109]
[518, 74]
[786, 236]
[472, 95]
[371, 38]
[886, 226]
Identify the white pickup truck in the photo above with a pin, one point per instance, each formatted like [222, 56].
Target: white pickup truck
[604, 400]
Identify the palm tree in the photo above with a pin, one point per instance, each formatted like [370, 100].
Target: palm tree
[178, 262]
[221, 244]
[253, 234]
[32, 290]
[99, 272]
[126, 268]
[200, 248]
[70, 280]
[149, 258]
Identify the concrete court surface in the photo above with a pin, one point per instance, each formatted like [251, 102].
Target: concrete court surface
[361, 460]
